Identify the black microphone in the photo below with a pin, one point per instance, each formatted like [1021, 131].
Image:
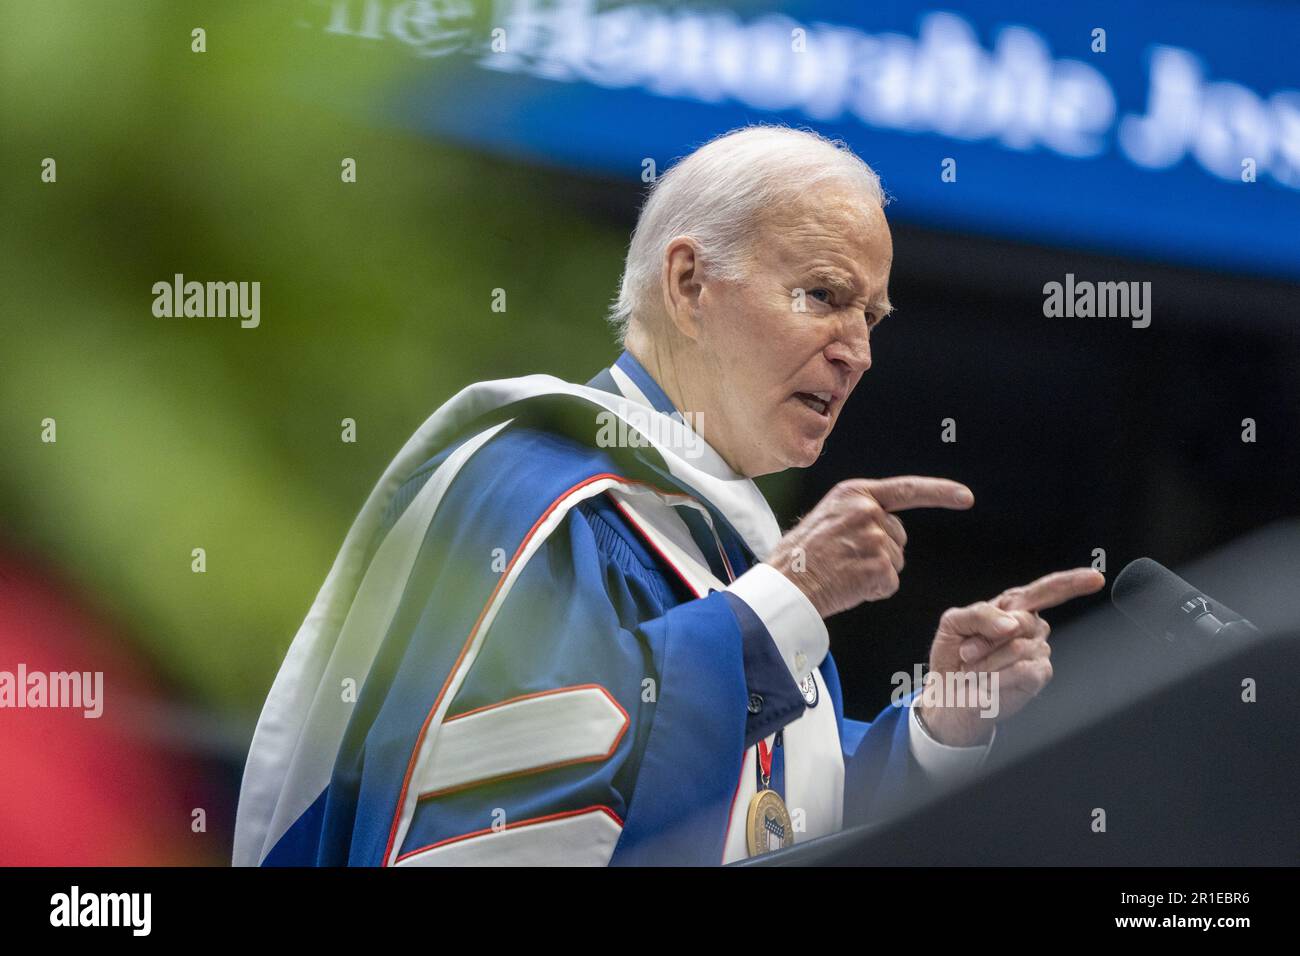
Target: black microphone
[1169, 609]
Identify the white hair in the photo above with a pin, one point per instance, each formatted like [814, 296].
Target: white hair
[717, 194]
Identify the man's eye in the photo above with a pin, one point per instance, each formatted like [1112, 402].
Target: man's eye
[821, 295]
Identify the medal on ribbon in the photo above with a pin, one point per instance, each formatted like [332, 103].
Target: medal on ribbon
[768, 826]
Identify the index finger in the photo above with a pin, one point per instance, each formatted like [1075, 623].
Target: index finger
[1051, 590]
[916, 491]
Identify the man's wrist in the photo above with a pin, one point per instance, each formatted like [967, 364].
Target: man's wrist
[940, 760]
[941, 738]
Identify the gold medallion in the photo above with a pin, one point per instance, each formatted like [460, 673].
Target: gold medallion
[768, 825]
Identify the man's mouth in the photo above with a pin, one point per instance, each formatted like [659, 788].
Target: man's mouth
[819, 402]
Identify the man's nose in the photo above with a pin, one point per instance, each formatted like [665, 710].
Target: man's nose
[853, 349]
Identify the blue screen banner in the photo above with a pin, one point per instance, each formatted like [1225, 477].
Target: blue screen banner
[1159, 130]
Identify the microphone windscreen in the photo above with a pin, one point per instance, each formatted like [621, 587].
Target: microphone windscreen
[1149, 594]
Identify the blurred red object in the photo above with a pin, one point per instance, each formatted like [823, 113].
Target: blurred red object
[78, 790]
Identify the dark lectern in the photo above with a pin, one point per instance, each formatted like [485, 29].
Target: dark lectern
[1165, 742]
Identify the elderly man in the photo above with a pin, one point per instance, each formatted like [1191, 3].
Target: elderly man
[566, 627]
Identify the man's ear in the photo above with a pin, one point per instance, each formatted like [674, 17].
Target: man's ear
[681, 285]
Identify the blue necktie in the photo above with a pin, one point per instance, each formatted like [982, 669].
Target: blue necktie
[705, 540]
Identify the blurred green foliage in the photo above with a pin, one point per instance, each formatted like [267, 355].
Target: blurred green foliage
[181, 433]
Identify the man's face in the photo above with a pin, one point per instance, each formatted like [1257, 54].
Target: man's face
[777, 377]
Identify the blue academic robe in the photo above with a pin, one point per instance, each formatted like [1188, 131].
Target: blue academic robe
[595, 607]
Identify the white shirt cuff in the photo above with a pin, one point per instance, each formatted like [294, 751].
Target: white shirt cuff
[797, 629]
[941, 760]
